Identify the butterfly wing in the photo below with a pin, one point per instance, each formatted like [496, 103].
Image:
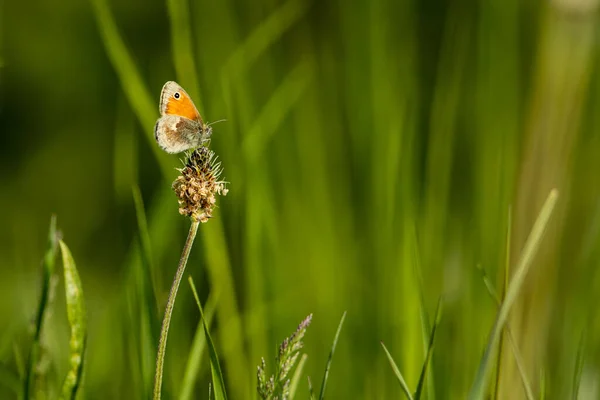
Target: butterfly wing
[175, 101]
[175, 133]
[180, 126]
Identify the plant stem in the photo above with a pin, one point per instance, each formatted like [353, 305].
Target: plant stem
[164, 331]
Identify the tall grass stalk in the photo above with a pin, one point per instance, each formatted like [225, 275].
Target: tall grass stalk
[162, 342]
[531, 246]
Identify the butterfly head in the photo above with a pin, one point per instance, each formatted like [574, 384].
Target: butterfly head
[206, 130]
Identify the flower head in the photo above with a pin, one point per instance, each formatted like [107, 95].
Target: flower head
[198, 184]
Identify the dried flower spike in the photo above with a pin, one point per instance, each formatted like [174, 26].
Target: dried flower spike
[198, 184]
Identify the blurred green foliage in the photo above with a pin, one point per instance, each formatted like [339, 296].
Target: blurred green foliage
[373, 150]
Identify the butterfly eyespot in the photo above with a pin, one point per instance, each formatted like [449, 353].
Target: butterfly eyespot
[177, 95]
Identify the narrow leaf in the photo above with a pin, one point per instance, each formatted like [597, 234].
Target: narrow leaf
[311, 392]
[517, 354]
[579, 361]
[425, 324]
[499, 301]
[215, 367]
[146, 291]
[147, 257]
[183, 47]
[297, 375]
[335, 340]
[438, 316]
[396, 370]
[48, 273]
[267, 33]
[77, 321]
[530, 249]
[136, 91]
[543, 384]
[193, 363]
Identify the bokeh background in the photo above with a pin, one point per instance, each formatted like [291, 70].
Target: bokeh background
[377, 153]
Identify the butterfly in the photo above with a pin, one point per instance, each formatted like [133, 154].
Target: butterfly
[180, 126]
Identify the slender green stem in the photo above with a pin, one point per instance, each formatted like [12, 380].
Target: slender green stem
[48, 271]
[164, 331]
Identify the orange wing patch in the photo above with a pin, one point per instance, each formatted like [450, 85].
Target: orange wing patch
[183, 107]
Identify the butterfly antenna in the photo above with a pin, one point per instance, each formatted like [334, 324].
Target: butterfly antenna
[214, 122]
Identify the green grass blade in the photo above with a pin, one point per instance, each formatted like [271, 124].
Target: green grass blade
[530, 249]
[48, 271]
[18, 359]
[215, 367]
[182, 47]
[142, 102]
[271, 117]
[77, 320]
[264, 35]
[193, 363]
[396, 370]
[513, 343]
[425, 324]
[438, 316]
[137, 94]
[543, 384]
[219, 270]
[520, 365]
[147, 257]
[499, 301]
[579, 361]
[311, 392]
[146, 290]
[335, 340]
[297, 375]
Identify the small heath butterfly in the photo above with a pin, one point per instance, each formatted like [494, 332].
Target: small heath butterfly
[180, 126]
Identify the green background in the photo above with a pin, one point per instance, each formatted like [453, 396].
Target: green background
[367, 143]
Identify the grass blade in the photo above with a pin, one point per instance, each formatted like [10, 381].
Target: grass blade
[297, 375]
[18, 359]
[48, 273]
[438, 316]
[146, 253]
[543, 384]
[137, 93]
[196, 352]
[215, 367]
[264, 35]
[425, 324]
[579, 361]
[335, 340]
[531, 246]
[311, 393]
[499, 302]
[146, 290]
[513, 344]
[77, 320]
[272, 115]
[401, 380]
[182, 47]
